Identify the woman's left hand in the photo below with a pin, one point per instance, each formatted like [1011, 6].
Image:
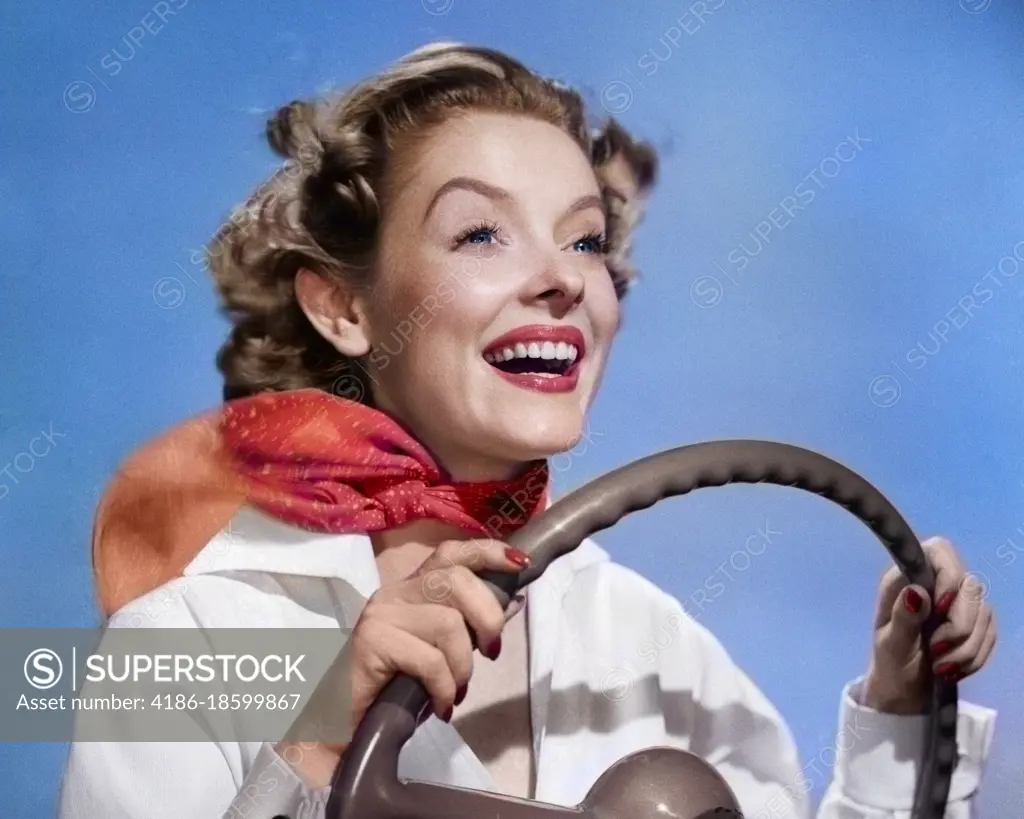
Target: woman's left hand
[899, 677]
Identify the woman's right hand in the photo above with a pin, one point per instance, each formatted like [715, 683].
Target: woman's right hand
[419, 626]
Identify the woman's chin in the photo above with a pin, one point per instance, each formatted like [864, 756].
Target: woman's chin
[530, 443]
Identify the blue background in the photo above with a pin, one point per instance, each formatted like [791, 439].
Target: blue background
[842, 334]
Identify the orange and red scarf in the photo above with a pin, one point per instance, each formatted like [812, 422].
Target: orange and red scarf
[305, 457]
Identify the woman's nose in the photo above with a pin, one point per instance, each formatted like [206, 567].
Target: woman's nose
[561, 286]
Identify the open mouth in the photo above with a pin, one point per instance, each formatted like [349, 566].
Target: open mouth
[539, 357]
[544, 358]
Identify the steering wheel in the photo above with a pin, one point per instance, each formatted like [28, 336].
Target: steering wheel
[657, 781]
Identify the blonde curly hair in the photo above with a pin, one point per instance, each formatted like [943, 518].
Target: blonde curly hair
[322, 208]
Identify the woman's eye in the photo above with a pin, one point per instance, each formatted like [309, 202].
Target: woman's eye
[482, 234]
[478, 237]
[592, 243]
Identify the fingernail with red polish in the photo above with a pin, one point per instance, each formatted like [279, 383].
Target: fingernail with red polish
[942, 607]
[447, 715]
[513, 555]
[913, 601]
[947, 671]
[494, 649]
[460, 693]
[941, 648]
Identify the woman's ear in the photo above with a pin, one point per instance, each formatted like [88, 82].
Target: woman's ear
[334, 312]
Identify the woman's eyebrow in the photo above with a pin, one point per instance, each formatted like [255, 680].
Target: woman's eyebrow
[489, 191]
[467, 183]
[585, 202]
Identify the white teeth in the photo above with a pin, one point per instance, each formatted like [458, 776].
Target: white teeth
[544, 349]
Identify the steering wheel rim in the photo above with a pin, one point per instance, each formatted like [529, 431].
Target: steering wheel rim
[365, 783]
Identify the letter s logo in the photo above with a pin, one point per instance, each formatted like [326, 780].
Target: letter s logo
[43, 668]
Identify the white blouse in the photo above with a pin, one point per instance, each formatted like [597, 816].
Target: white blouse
[595, 696]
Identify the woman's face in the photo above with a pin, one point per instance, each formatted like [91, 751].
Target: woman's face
[492, 311]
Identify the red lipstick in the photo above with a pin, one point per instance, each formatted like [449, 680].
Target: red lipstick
[564, 372]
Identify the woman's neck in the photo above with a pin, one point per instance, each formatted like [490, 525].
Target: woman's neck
[462, 463]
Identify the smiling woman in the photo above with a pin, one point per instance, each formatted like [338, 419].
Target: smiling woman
[466, 197]
[403, 195]
[422, 302]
